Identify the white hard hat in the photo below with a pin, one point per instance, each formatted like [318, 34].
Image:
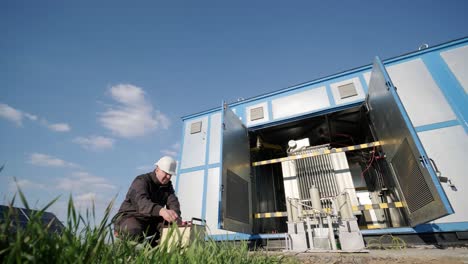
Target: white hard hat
[167, 164]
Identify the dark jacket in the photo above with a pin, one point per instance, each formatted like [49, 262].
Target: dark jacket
[146, 197]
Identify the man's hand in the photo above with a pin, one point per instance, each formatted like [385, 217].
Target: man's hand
[168, 215]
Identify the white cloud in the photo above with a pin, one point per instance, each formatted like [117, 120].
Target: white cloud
[14, 115]
[85, 200]
[173, 151]
[25, 184]
[133, 115]
[30, 116]
[86, 197]
[84, 181]
[95, 142]
[29, 184]
[59, 127]
[40, 159]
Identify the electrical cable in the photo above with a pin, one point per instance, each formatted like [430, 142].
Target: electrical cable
[369, 164]
[378, 243]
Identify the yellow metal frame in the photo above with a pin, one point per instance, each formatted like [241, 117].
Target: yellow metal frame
[317, 153]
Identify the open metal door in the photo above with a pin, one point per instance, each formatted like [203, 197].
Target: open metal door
[236, 203]
[416, 180]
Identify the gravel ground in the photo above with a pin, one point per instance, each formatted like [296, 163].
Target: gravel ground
[410, 255]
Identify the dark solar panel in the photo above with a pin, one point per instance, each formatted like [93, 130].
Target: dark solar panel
[48, 216]
[3, 208]
[27, 213]
[20, 217]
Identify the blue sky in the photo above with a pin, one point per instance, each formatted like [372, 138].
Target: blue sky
[92, 93]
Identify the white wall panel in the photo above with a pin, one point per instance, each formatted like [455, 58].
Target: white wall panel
[212, 199]
[215, 139]
[367, 77]
[299, 103]
[457, 60]
[212, 203]
[194, 148]
[422, 98]
[190, 194]
[448, 148]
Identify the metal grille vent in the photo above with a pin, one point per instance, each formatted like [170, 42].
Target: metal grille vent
[347, 90]
[415, 189]
[196, 127]
[237, 204]
[256, 113]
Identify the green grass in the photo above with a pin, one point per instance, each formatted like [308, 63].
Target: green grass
[83, 241]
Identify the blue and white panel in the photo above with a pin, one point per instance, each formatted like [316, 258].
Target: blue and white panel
[194, 144]
[415, 84]
[417, 181]
[214, 153]
[447, 147]
[190, 194]
[457, 61]
[347, 91]
[300, 103]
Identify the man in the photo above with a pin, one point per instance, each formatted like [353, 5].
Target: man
[143, 210]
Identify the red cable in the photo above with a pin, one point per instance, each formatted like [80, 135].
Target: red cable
[370, 163]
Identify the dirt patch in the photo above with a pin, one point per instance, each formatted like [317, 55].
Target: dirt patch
[410, 255]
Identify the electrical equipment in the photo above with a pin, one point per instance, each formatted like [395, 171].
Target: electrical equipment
[315, 183]
[330, 174]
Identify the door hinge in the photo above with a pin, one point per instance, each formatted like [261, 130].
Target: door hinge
[422, 161]
[387, 83]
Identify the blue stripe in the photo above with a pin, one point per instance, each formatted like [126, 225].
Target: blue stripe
[437, 125]
[365, 87]
[424, 228]
[197, 168]
[449, 86]
[214, 165]
[205, 176]
[241, 236]
[270, 111]
[331, 99]
[416, 140]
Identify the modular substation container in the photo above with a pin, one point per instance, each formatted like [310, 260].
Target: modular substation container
[392, 135]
